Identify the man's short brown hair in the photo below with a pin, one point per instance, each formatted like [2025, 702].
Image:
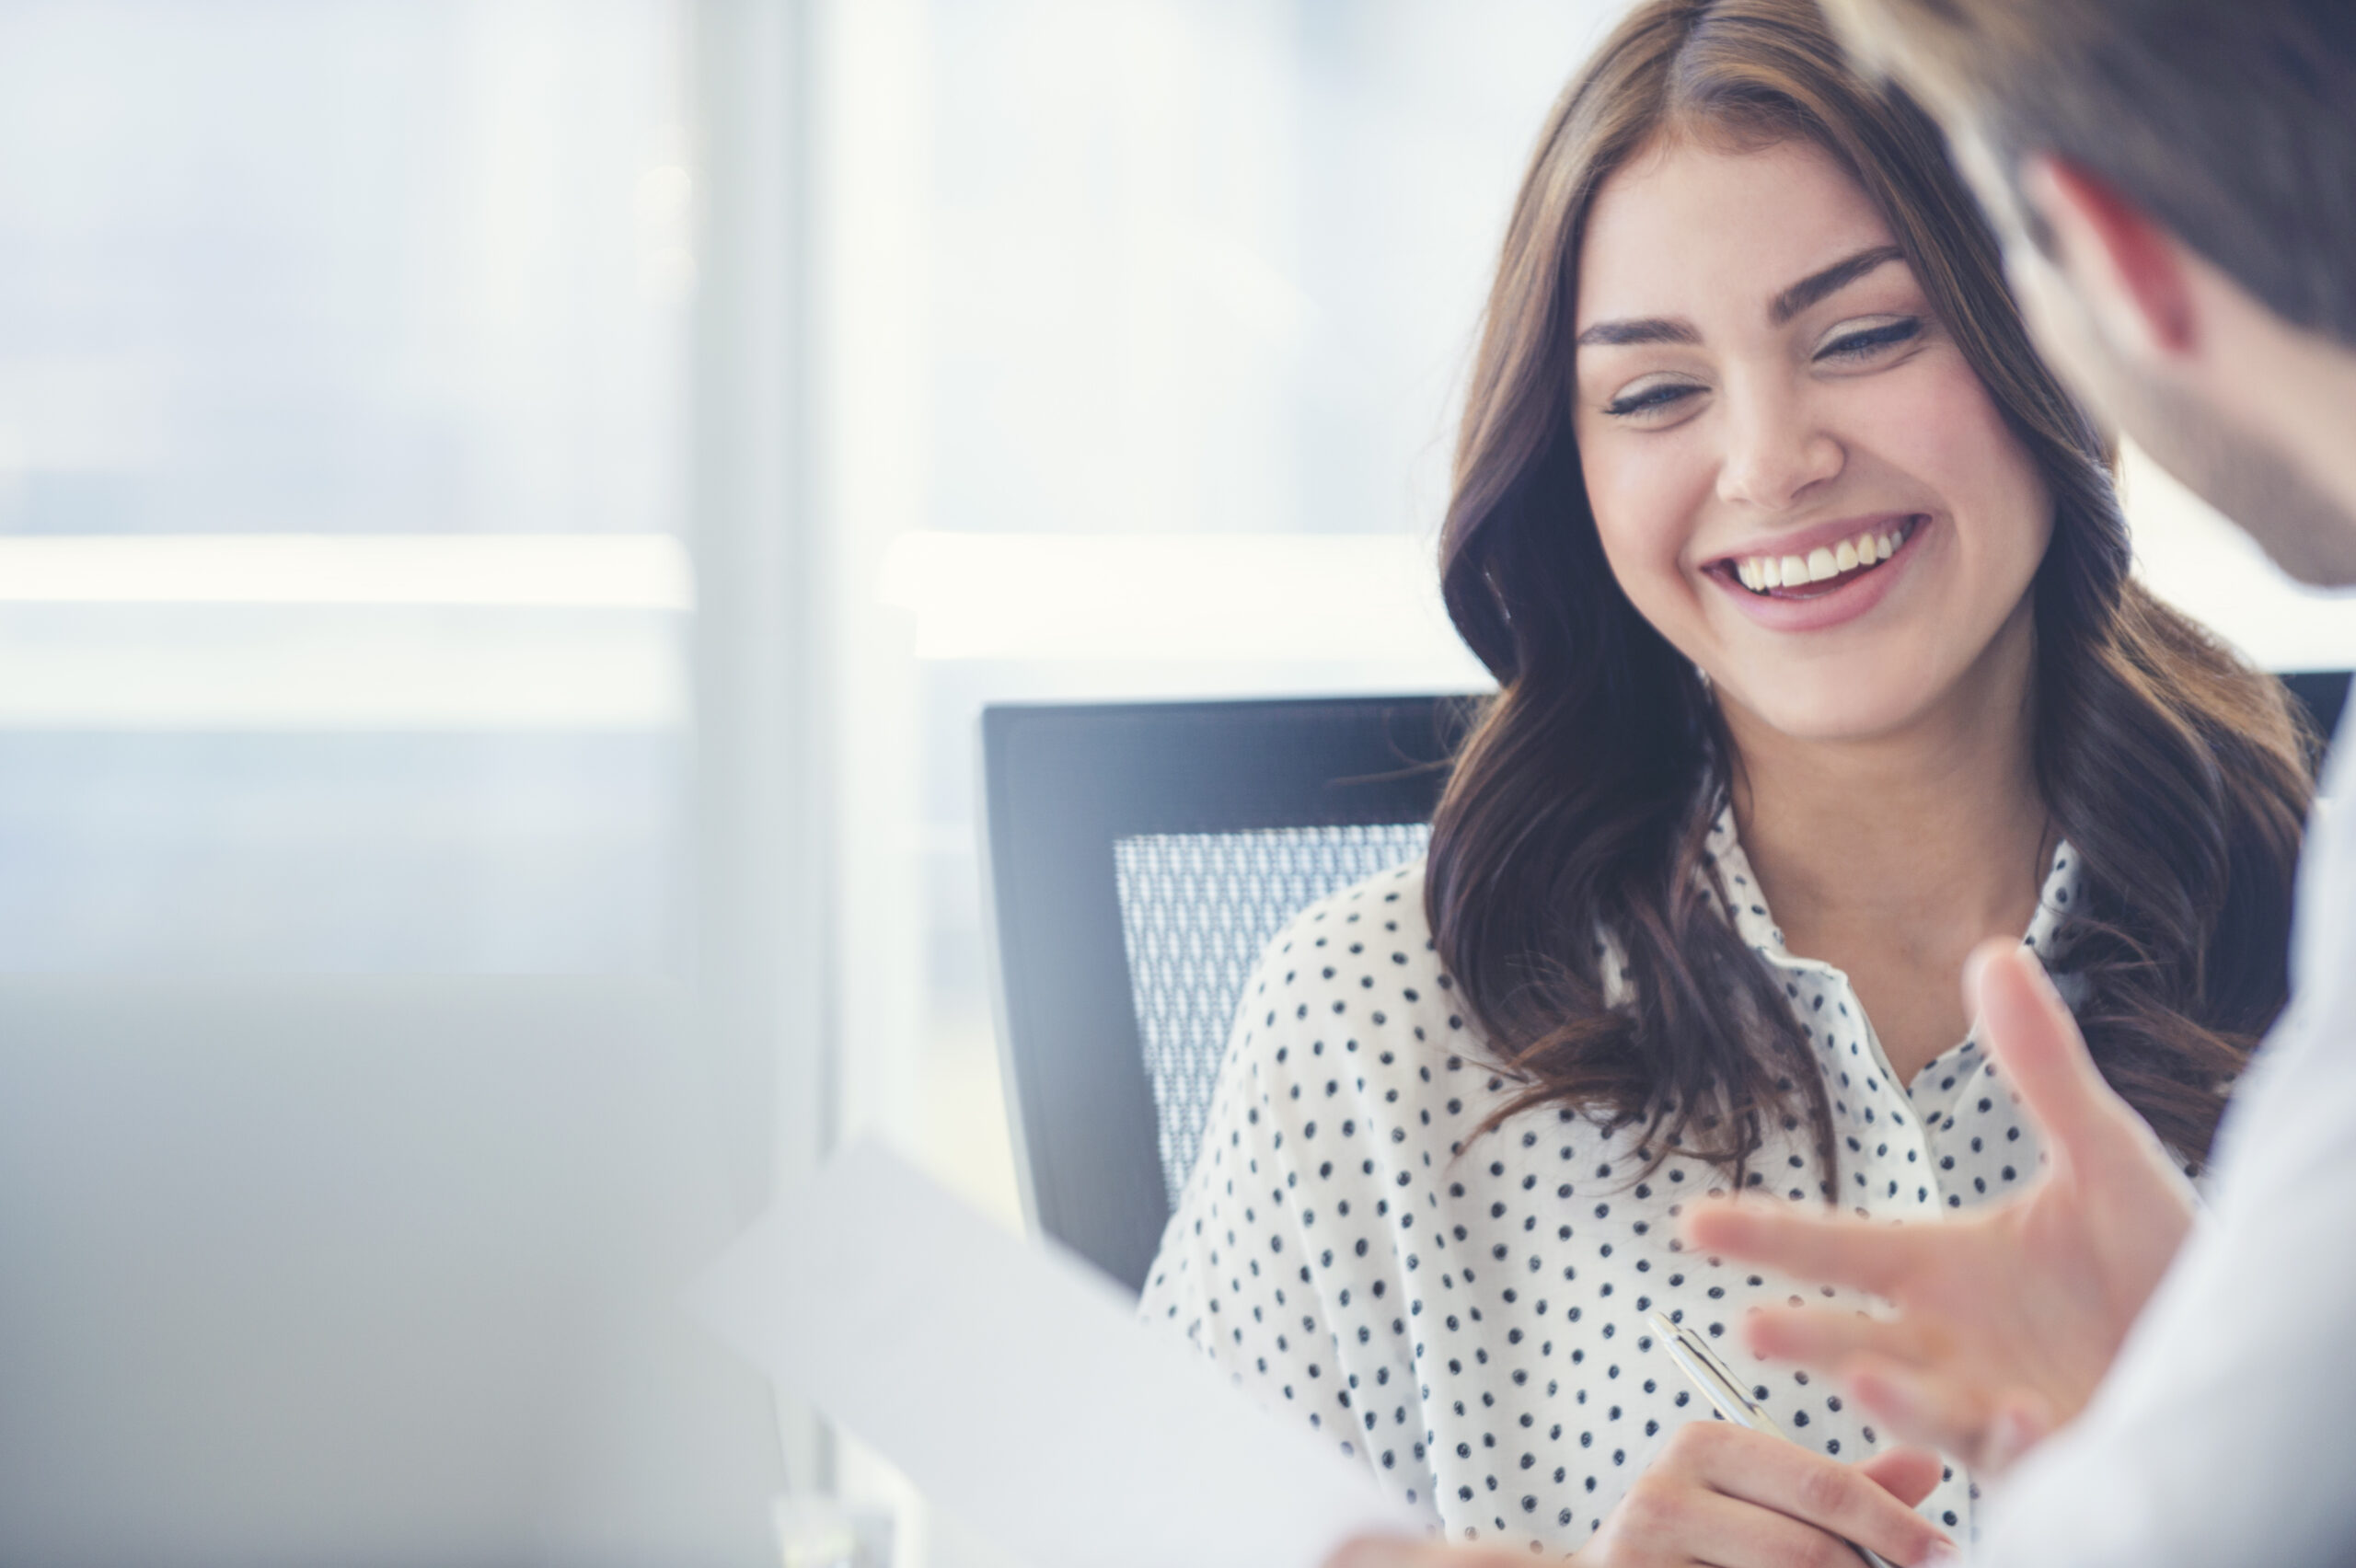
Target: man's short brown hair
[2233, 122]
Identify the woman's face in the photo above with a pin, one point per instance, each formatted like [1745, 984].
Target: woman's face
[1798, 477]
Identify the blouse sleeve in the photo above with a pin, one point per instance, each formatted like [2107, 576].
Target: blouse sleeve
[1261, 1267]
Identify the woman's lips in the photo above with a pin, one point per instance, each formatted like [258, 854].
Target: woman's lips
[1827, 586]
[1801, 572]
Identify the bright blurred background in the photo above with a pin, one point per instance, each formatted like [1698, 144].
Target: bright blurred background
[509, 513]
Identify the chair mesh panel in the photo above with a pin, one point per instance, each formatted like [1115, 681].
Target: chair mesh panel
[1196, 909]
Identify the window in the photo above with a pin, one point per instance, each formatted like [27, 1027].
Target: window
[343, 605]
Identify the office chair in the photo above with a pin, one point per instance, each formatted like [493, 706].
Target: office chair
[1136, 858]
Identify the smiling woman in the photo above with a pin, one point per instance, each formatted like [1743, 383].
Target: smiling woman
[1748, 313]
[1807, 590]
[1766, 397]
[1813, 567]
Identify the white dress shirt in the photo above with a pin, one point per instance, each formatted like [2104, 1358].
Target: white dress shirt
[1466, 1316]
[2226, 1431]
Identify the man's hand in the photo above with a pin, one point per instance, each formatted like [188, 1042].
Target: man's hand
[2008, 1319]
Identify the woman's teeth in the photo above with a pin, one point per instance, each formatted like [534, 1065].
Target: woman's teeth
[1763, 574]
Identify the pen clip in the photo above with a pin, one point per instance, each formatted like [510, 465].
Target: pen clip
[1711, 1375]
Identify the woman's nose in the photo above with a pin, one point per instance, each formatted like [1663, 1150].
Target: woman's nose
[1775, 454]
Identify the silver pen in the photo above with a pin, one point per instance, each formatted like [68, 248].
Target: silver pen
[1701, 1365]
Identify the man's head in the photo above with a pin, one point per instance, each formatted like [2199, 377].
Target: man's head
[2177, 180]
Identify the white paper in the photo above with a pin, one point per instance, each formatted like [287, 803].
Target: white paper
[1014, 1385]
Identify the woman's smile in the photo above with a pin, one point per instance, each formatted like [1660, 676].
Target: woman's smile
[1787, 450]
[1797, 568]
[1821, 577]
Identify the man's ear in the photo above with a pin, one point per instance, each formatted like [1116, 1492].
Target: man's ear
[2125, 267]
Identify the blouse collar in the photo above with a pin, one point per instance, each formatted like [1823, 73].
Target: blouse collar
[1752, 922]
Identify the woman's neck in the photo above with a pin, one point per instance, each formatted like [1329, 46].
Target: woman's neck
[1889, 858]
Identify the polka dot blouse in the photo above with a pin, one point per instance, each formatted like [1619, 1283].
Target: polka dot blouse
[1466, 1316]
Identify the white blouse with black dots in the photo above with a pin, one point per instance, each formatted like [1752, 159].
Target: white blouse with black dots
[1468, 1318]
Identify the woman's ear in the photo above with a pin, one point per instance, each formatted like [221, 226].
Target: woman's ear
[2130, 273]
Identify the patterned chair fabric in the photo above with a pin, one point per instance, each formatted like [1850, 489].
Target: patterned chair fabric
[1196, 909]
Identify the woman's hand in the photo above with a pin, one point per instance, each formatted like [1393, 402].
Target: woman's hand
[1733, 1499]
[2009, 1318]
[1736, 1499]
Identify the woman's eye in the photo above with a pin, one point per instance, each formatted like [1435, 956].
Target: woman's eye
[1871, 340]
[1649, 399]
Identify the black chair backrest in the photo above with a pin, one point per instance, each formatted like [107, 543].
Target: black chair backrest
[2323, 693]
[1136, 858]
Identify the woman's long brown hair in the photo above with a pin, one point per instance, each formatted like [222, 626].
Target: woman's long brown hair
[1580, 800]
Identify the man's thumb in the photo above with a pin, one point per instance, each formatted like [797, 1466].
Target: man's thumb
[2028, 1031]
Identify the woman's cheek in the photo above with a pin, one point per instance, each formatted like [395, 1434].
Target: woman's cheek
[1643, 508]
[1939, 423]
[1955, 439]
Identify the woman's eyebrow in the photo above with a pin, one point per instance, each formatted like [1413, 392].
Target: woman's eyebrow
[1639, 330]
[1816, 286]
[1831, 280]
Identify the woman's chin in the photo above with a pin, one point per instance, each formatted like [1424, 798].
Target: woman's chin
[1829, 712]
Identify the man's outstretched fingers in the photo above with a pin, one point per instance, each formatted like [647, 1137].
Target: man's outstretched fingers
[1818, 1247]
[1821, 1336]
[2029, 1030]
[1919, 1408]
